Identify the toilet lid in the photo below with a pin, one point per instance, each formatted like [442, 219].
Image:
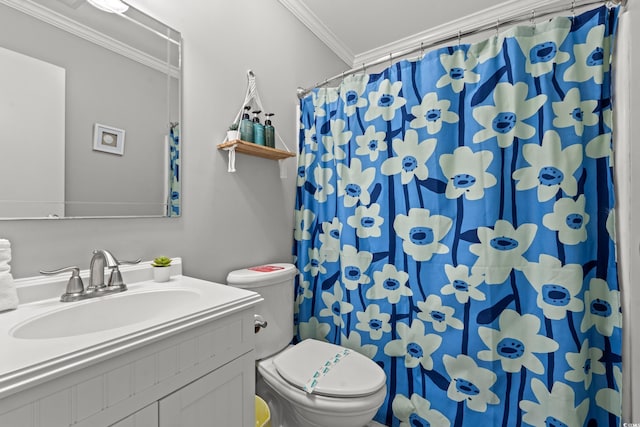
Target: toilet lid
[337, 371]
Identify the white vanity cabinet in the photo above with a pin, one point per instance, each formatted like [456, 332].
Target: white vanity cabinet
[145, 417]
[216, 400]
[198, 371]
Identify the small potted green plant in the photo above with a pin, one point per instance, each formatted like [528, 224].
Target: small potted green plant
[233, 133]
[161, 268]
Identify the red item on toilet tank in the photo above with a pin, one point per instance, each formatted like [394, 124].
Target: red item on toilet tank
[266, 268]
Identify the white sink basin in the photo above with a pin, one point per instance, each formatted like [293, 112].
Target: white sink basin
[103, 313]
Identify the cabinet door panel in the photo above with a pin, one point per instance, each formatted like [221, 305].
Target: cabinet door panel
[146, 417]
[223, 398]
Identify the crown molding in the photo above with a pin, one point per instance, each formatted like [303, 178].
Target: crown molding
[317, 27]
[64, 23]
[493, 15]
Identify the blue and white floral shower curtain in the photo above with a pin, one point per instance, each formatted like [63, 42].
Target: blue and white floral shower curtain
[455, 223]
[175, 186]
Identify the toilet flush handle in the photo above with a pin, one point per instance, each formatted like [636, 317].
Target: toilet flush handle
[258, 323]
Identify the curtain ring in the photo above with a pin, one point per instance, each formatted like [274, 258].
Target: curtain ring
[498, 27]
[390, 59]
[459, 36]
[573, 8]
[421, 49]
[364, 69]
[533, 18]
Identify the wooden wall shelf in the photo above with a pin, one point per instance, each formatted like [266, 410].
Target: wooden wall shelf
[256, 150]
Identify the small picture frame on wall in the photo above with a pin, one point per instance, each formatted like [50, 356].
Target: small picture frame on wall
[108, 139]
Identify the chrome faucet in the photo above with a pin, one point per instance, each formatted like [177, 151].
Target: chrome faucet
[100, 260]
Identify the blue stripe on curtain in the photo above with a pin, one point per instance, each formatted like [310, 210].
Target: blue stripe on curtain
[454, 222]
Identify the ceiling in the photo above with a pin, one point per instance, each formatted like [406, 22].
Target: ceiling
[361, 31]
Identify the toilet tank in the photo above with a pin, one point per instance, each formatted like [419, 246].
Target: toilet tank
[274, 282]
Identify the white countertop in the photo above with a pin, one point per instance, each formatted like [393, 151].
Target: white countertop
[26, 362]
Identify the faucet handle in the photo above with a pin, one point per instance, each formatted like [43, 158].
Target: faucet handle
[75, 287]
[115, 278]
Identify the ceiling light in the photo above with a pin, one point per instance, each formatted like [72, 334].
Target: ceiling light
[111, 6]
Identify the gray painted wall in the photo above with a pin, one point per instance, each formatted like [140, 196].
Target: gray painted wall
[229, 220]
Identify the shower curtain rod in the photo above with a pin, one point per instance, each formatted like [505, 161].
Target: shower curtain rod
[517, 19]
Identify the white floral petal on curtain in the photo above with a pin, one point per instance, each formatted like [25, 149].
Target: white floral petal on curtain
[432, 113]
[603, 308]
[584, 364]
[422, 232]
[556, 406]
[385, 102]
[330, 240]
[505, 120]
[354, 266]
[575, 112]
[367, 221]
[373, 321]
[552, 167]
[557, 286]
[610, 399]
[390, 284]
[600, 146]
[466, 173]
[470, 383]
[440, 316]
[463, 285]
[371, 144]
[351, 91]
[591, 58]
[515, 343]
[457, 70]
[354, 183]
[417, 411]
[411, 157]
[354, 342]
[569, 219]
[540, 46]
[335, 307]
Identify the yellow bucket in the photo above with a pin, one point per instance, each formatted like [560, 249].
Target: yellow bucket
[263, 415]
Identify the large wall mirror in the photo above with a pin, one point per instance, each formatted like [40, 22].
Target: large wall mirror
[89, 112]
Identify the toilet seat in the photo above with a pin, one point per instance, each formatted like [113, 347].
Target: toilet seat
[322, 405]
[327, 369]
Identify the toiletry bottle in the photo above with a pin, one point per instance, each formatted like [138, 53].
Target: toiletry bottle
[269, 132]
[246, 127]
[258, 129]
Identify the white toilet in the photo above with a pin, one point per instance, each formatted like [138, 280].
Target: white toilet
[345, 388]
